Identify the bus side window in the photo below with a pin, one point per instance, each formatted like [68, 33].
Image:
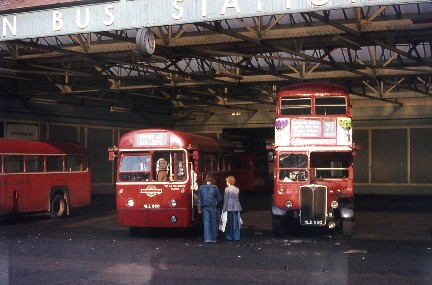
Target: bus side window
[34, 163]
[73, 163]
[208, 162]
[84, 164]
[54, 163]
[201, 163]
[13, 163]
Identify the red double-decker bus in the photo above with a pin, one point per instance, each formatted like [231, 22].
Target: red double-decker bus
[158, 171]
[313, 158]
[38, 176]
[251, 172]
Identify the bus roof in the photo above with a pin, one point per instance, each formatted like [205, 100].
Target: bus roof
[312, 88]
[164, 138]
[19, 146]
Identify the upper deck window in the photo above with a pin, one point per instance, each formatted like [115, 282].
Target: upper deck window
[330, 105]
[296, 106]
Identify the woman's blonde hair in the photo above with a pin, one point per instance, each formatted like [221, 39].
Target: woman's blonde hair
[230, 180]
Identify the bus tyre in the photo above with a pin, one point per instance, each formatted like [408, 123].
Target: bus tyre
[347, 228]
[278, 226]
[58, 207]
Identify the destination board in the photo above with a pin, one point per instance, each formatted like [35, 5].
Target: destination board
[314, 131]
[151, 139]
[306, 128]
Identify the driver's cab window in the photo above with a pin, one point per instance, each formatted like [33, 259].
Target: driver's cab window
[293, 167]
[135, 167]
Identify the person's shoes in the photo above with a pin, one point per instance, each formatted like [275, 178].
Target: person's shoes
[208, 240]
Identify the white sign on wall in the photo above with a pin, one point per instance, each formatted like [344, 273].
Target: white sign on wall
[22, 131]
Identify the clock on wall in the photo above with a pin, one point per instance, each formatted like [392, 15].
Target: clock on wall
[145, 42]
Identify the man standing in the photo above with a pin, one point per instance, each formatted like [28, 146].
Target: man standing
[208, 198]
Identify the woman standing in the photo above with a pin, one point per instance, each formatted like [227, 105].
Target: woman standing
[232, 207]
[208, 198]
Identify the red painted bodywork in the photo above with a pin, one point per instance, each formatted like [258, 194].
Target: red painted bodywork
[27, 192]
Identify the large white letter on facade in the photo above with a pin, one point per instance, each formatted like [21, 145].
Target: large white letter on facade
[288, 4]
[109, 12]
[12, 28]
[204, 8]
[87, 18]
[179, 8]
[57, 21]
[227, 5]
[318, 2]
[259, 5]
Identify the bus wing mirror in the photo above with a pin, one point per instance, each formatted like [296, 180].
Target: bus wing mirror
[112, 153]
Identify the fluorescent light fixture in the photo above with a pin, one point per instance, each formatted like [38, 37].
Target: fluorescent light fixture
[44, 101]
[186, 97]
[120, 109]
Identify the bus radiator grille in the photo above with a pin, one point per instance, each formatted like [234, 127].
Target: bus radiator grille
[313, 205]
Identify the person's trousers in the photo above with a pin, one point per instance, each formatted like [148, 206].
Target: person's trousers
[209, 220]
[232, 230]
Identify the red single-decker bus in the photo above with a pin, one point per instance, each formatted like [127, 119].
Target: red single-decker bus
[38, 176]
[158, 172]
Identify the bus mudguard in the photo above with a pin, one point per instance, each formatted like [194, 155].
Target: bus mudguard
[347, 209]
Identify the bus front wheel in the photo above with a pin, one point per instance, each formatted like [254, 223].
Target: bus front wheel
[58, 207]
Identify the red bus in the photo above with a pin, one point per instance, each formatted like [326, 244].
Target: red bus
[251, 172]
[313, 159]
[158, 171]
[38, 176]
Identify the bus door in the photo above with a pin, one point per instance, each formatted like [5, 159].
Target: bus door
[36, 190]
[75, 164]
[14, 181]
[194, 189]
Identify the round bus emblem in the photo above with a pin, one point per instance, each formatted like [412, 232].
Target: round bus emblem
[151, 191]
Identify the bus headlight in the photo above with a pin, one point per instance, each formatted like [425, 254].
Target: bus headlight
[173, 203]
[281, 189]
[288, 204]
[130, 202]
[334, 204]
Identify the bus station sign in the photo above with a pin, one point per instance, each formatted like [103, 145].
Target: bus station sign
[129, 14]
